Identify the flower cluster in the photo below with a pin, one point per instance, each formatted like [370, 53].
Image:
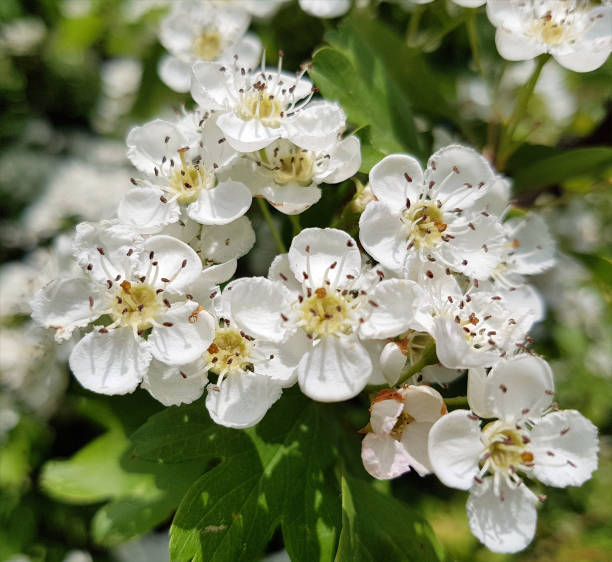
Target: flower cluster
[435, 285]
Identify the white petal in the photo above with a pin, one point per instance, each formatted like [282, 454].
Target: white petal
[221, 243]
[248, 50]
[397, 179]
[380, 233]
[317, 126]
[224, 203]
[392, 362]
[291, 199]
[519, 386]
[514, 46]
[565, 446]
[142, 208]
[583, 60]
[336, 369]
[246, 136]
[281, 271]
[209, 85]
[64, 305]
[438, 374]
[344, 160]
[258, 305]
[423, 403]
[314, 251]
[387, 405]
[326, 9]
[477, 393]
[534, 246]
[110, 363]
[173, 386]
[506, 525]
[282, 359]
[218, 274]
[398, 305]
[454, 449]
[384, 457]
[178, 264]
[147, 145]
[415, 440]
[183, 336]
[241, 400]
[175, 73]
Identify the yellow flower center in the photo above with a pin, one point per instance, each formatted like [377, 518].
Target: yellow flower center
[230, 351]
[261, 106]
[135, 305]
[548, 30]
[507, 449]
[208, 45]
[187, 180]
[426, 224]
[294, 167]
[325, 313]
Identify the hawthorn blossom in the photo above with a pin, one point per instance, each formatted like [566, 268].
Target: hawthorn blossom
[399, 427]
[439, 215]
[527, 438]
[287, 176]
[141, 287]
[202, 31]
[182, 165]
[577, 33]
[327, 9]
[319, 295]
[256, 107]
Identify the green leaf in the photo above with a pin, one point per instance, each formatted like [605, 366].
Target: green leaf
[592, 162]
[378, 527]
[143, 493]
[370, 98]
[275, 473]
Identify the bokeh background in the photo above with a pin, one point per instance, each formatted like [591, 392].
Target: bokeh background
[76, 74]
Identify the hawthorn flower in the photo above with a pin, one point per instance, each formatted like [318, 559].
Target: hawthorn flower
[141, 287]
[327, 9]
[577, 33]
[434, 216]
[527, 438]
[256, 107]
[202, 31]
[182, 168]
[318, 295]
[287, 176]
[398, 431]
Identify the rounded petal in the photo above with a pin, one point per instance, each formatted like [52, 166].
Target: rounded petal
[281, 271]
[344, 160]
[380, 233]
[224, 203]
[384, 457]
[173, 386]
[282, 359]
[397, 179]
[327, 9]
[291, 199]
[336, 369]
[175, 73]
[248, 50]
[520, 386]
[209, 86]
[147, 145]
[423, 403]
[397, 304]
[110, 363]
[564, 445]
[224, 242]
[392, 362]
[415, 442]
[142, 208]
[477, 393]
[65, 305]
[317, 126]
[258, 306]
[177, 264]
[504, 521]
[321, 254]
[184, 334]
[454, 449]
[241, 400]
[534, 247]
[514, 46]
[583, 60]
[386, 407]
[246, 136]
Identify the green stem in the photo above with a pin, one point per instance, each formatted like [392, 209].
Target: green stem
[295, 223]
[458, 402]
[473, 38]
[413, 26]
[263, 207]
[505, 149]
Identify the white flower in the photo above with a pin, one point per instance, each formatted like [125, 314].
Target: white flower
[437, 216]
[182, 168]
[259, 106]
[288, 175]
[558, 448]
[577, 33]
[326, 8]
[202, 31]
[400, 423]
[318, 295]
[141, 286]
